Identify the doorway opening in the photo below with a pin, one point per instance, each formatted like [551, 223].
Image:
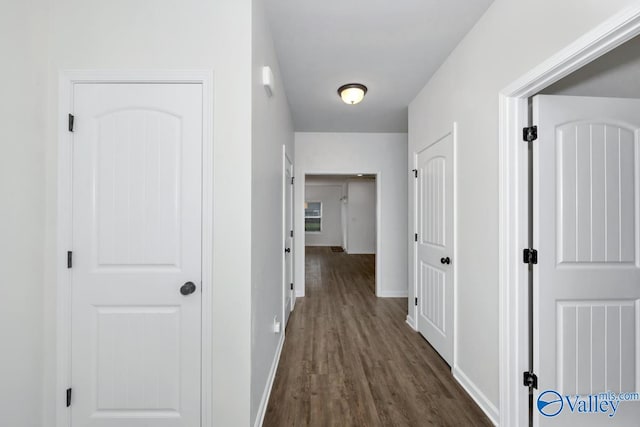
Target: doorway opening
[578, 111]
[434, 243]
[585, 219]
[341, 220]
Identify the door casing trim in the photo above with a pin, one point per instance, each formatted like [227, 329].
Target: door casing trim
[285, 183]
[66, 82]
[513, 201]
[301, 180]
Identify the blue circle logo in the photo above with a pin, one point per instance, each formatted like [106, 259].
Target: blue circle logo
[550, 403]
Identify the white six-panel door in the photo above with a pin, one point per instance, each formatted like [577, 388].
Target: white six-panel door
[435, 245]
[136, 341]
[586, 230]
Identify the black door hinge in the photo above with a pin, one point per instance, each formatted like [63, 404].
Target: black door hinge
[292, 286]
[530, 133]
[69, 259]
[292, 179]
[68, 397]
[291, 233]
[530, 256]
[415, 172]
[71, 119]
[416, 301]
[415, 237]
[530, 380]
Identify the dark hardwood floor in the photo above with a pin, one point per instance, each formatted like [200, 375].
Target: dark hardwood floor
[349, 358]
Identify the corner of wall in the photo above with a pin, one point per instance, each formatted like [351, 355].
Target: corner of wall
[477, 395]
[411, 322]
[264, 402]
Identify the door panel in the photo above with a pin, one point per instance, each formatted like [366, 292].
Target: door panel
[596, 345]
[587, 281]
[433, 293]
[137, 157]
[136, 241]
[144, 341]
[434, 207]
[597, 163]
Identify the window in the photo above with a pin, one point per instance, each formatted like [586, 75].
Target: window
[313, 217]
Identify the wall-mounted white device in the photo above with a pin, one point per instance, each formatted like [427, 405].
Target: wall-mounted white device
[276, 325]
[267, 80]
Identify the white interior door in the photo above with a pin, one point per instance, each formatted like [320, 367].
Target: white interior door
[289, 286]
[136, 341]
[587, 280]
[434, 274]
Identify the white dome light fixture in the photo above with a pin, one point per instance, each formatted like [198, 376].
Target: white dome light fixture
[352, 93]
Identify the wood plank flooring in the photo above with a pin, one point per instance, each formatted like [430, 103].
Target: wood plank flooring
[349, 358]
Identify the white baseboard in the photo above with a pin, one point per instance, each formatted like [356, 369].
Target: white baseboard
[411, 322]
[262, 409]
[299, 293]
[392, 294]
[483, 402]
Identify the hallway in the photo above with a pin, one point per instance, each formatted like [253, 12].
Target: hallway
[349, 358]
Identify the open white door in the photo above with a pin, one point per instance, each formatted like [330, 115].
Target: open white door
[136, 262]
[289, 286]
[434, 273]
[587, 281]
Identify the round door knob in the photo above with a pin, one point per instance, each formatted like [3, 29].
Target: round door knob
[188, 288]
[288, 250]
[445, 260]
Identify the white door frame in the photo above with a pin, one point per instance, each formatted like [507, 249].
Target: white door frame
[67, 80]
[285, 157]
[413, 321]
[303, 178]
[513, 213]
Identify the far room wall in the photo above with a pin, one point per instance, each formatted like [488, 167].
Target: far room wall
[348, 213]
[382, 154]
[361, 217]
[330, 196]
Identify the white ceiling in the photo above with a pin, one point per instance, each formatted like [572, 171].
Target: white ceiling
[391, 46]
[310, 179]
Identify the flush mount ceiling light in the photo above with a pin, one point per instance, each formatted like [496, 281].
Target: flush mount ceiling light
[352, 93]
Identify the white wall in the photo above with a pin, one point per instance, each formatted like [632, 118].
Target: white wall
[271, 128]
[465, 89]
[384, 154]
[612, 75]
[344, 219]
[361, 216]
[329, 195]
[22, 42]
[165, 34]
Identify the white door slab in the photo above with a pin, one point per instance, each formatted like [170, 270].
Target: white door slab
[137, 214]
[289, 285]
[435, 245]
[587, 280]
